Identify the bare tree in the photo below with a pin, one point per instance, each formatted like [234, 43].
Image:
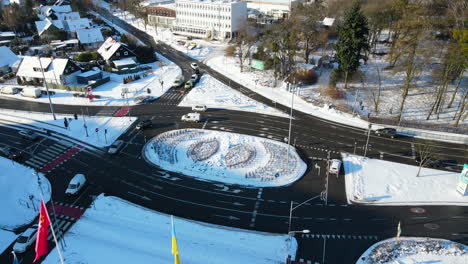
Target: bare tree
[308, 16]
[243, 43]
[461, 109]
[376, 95]
[425, 152]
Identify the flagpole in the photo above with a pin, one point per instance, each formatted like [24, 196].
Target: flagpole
[398, 229]
[15, 259]
[52, 224]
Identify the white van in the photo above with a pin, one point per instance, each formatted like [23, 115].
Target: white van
[335, 166]
[31, 92]
[191, 117]
[10, 90]
[76, 184]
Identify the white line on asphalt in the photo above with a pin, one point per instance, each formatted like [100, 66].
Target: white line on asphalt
[257, 204]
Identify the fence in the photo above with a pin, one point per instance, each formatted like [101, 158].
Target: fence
[78, 88]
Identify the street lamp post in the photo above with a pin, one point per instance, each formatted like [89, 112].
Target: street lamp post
[290, 233]
[367, 142]
[292, 208]
[47, 89]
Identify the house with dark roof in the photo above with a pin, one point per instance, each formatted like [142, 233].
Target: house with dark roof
[113, 51]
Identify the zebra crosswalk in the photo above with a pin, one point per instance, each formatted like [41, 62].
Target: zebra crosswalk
[340, 236]
[40, 159]
[171, 96]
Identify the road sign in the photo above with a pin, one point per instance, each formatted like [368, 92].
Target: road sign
[257, 64]
[97, 130]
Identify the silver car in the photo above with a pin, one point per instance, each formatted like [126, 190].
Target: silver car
[115, 147]
[28, 134]
[25, 240]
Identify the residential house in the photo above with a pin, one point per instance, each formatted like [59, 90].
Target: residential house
[52, 70]
[73, 25]
[112, 50]
[90, 38]
[214, 19]
[47, 11]
[49, 29]
[89, 76]
[7, 60]
[6, 37]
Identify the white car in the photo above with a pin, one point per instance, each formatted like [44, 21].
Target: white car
[76, 184]
[115, 147]
[25, 240]
[194, 65]
[191, 117]
[335, 166]
[28, 134]
[199, 108]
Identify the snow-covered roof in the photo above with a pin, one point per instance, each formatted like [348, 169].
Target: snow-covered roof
[65, 42]
[7, 34]
[108, 48]
[74, 25]
[91, 35]
[88, 73]
[7, 57]
[53, 68]
[328, 21]
[47, 10]
[43, 25]
[124, 62]
[68, 16]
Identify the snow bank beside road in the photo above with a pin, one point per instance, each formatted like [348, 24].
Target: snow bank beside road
[225, 157]
[18, 184]
[379, 182]
[115, 125]
[117, 231]
[213, 93]
[408, 250]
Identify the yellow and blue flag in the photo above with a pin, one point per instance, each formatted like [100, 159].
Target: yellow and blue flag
[175, 251]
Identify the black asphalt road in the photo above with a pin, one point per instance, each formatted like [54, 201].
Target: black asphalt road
[335, 226]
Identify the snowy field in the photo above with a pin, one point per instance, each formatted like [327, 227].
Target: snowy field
[379, 182]
[117, 231]
[19, 198]
[111, 92]
[412, 250]
[214, 94]
[38, 121]
[225, 157]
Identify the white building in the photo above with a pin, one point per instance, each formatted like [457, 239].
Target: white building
[212, 19]
[276, 8]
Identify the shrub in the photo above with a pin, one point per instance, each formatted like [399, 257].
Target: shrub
[335, 76]
[230, 51]
[332, 92]
[304, 76]
[106, 32]
[87, 56]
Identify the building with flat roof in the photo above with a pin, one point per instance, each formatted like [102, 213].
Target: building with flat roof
[213, 19]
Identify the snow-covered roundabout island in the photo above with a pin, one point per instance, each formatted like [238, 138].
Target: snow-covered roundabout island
[415, 250]
[225, 157]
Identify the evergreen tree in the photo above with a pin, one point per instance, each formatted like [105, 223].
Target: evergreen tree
[352, 41]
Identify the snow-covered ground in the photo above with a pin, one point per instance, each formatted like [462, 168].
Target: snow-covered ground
[111, 92]
[225, 157]
[412, 250]
[115, 125]
[213, 93]
[19, 194]
[117, 231]
[379, 182]
[6, 238]
[263, 83]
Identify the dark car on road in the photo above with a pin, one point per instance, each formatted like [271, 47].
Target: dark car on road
[386, 132]
[10, 152]
[28, 134]
[143, 124]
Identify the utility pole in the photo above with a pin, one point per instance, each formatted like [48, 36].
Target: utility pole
[368, 136]
[47, 89]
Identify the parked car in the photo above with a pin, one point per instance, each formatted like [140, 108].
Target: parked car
[195, 78]
[199, 108]
[28, 134]
[177, 83]
[10, 90]
[144, 99]
[188, 84]
[10, 152]
[76, 184]
[143, 124]
[196, 71]
[386, 132]
[191, 117]
[335, 166]
[25, 240]
[194, 65]
[115, 147]
[437, 163]
[32, 92]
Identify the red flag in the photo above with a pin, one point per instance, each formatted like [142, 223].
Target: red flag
[42, 231]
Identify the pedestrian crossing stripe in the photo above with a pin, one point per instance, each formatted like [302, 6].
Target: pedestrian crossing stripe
[341, 236]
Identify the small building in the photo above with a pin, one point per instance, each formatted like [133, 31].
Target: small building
[328, 22]
[52, 70]
[49, 10]
[126, 63]
[76, 24]
[7, 60]
[112, 50]
[276, 9]
[86, 77]
[90, 38]
[161, 16]
[6, 37]
[214, 19]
